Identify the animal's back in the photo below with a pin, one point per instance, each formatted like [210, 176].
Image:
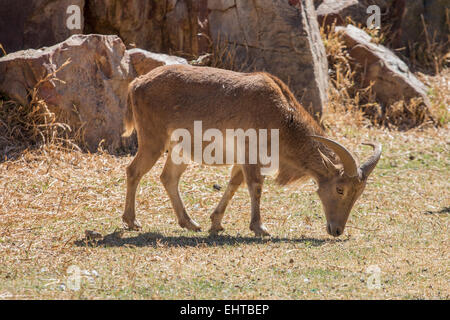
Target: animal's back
[172, 97]
[178, 94]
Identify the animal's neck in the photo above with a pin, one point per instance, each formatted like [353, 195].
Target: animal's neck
[300, 157]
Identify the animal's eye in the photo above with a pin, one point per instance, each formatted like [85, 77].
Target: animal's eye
[340, 190]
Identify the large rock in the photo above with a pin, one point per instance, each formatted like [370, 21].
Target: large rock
[92, 89]
[28, 24]
[391, 77]
[143, 61]
[278, 36]
[337, 12]
[331, 11]
[164, 26]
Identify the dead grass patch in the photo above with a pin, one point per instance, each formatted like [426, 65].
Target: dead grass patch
[430, 56]
[36, 124]
[49, 197]
[349, 96]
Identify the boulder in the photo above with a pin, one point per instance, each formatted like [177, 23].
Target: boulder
[331, 11]
[143, 61]
[278, 36]
[391, 77]
[92, 88]
[163, 26]
[28, 24]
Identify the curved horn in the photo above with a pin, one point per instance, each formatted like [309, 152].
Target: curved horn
[349, 162]
[370, 164]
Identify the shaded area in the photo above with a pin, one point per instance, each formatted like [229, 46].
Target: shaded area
[445, 210]
[154, 239]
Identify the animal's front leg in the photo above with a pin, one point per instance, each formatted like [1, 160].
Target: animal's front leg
[255, 180]
[170, 178]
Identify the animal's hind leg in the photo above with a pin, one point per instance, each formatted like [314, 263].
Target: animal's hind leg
[141, 164]
[170, 178]
[235, 181]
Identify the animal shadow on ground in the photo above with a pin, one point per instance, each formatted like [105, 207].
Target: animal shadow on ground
[153, 239]
[445, 210]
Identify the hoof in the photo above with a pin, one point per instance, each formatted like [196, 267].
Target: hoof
[214, 230]
[190, 225]
[216, 223]
[132, 225]
[260, 231]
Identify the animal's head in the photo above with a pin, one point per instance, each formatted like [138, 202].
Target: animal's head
[340, 189]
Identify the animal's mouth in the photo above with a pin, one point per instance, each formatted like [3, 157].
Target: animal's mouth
[334, 231]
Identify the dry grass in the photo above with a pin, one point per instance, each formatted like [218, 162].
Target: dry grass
[224, 56]
[349, 95]
[31, 126]
[430, 55]
[36, 124]
[2, 49]
[49, 197]
[439, 95]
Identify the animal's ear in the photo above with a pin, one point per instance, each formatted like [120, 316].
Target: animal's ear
[329, 164]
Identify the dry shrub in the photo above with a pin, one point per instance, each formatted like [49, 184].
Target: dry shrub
[2, 50]
[348, 95]
[223, 57]
[407, 114]
[430, 56]
[227, 54]
[35, 125]
[220, 54]
[439, 94]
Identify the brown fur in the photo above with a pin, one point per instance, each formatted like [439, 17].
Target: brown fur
[172, 97]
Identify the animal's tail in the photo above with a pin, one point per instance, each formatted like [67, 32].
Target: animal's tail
[129, 119]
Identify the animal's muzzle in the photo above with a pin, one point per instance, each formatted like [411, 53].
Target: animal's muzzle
[334, 230]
